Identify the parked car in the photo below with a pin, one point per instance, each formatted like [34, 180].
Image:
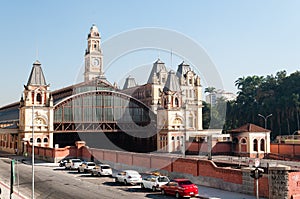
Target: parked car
[102, 170]
[154, 182]
[180, 188]
[86, 167]
[73, 163]
[129, 177]
[63, 162]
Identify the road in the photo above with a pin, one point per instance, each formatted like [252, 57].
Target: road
[57, 183]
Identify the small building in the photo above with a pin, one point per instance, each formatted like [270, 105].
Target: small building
[250, 140]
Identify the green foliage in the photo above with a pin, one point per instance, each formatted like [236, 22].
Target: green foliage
[277, 95]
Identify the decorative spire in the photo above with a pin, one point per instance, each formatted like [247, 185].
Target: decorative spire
[36, 77]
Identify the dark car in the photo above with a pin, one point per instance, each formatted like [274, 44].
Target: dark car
[63, 162]
[180, 188]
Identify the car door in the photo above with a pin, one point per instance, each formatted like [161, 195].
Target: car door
[121, 176]
[147, 183]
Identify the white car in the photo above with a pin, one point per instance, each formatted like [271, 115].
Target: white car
[73, 163]
[102, 170]
[154, 182]
[129, 177]
[86, 167]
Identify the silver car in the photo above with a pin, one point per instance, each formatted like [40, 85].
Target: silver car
[102, 170]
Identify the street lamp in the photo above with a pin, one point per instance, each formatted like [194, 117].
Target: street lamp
[265, 118]
[32, 148]
[294, 136]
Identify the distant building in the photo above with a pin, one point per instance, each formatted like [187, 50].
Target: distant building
[214, 96]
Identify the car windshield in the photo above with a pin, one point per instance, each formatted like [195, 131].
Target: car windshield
[105, 167]
[163, 179]
[187, 182]
[91, 164]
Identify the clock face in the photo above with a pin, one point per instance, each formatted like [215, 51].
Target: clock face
[96, 62]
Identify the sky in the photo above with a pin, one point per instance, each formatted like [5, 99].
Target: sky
[241, 38]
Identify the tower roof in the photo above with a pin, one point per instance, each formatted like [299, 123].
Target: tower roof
[129, 82]
[94, 32]
[157, 68]
[182, 69]
[172, 83]
[36, 77]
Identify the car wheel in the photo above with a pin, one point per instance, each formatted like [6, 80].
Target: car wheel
[163, 192]
[78, 170]
[125, 182]
[116, 180]
[99, 174]
[142, 186]
[153, 188]
[177, 195]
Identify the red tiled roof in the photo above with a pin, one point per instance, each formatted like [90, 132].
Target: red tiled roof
[249, 128]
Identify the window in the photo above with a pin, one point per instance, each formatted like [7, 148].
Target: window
[45, 140]
[38, 140]
[39, 98]
[243, 141]
[262, 145]
[30, 140]
[176, 102]
[255, 148]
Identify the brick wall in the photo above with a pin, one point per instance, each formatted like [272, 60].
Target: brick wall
[289, 150]
[294, 185]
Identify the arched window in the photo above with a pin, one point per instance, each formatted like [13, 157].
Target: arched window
[38, 140]
[172, 138]
[255, 147]
[190, 122]
[262, 145]
[176, 102]
[45, 140]
[39, 98]
[30, 140]
[243, 141]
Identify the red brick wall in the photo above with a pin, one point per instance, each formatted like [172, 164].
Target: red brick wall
[160, 162]
[220, 147]
[285, 149]
[263, 185]
[294, 185]
[124, 158]
[188, 166]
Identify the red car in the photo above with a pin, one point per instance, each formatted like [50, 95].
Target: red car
[180, 188]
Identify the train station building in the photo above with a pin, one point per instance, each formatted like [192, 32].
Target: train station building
[161, 115]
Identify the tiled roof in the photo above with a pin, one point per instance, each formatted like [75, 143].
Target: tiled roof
[36, 77]
[249, 128]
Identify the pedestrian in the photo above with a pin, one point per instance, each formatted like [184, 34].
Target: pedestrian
[16, 151]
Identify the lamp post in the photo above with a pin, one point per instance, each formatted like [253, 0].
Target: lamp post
[294, 136]
[32, 148]
[184, 133]
[265, 118]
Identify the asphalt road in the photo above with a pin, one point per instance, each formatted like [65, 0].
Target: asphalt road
[53, 182]
[57, 183]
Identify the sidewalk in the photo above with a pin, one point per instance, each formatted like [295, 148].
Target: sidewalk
[212, 193]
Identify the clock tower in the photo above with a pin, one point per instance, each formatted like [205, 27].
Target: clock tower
[93, 56]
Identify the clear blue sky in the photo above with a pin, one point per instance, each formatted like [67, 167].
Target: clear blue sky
[241, 37]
